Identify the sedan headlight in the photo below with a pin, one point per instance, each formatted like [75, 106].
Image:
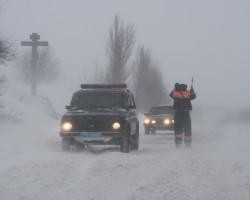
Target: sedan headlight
[66, 126]
[116, 125]
[167, 121]
[153, 121]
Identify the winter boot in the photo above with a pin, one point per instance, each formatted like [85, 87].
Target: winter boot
[188, 141]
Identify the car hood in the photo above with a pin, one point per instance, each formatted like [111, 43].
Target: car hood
[161, 116]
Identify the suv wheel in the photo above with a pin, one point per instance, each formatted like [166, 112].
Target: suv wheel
[66, 143]
[125, 144]
[135, 142]
[77, 147]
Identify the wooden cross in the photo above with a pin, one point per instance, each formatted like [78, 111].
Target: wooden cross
[34, 43]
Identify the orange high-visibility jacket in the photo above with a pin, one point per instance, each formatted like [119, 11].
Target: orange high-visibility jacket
[181, 94]
[182, 99]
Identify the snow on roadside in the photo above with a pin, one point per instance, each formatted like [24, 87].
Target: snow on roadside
[33, 166]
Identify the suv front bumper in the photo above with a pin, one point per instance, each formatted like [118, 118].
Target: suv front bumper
[94, 137]
[159, 127]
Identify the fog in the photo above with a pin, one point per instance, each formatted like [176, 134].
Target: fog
[207, 40]
[33, 166]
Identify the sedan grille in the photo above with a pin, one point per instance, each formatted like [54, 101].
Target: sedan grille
[93, 123]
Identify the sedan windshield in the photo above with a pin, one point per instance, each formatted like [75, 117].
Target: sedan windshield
[161, 110]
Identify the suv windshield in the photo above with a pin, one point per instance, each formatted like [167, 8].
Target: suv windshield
[161, 110]
[98, 100]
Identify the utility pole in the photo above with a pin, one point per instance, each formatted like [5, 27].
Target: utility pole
[34, 43]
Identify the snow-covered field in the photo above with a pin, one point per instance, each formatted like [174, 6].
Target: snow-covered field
[33, 166]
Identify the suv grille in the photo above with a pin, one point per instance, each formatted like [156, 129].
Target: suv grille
[93, 123]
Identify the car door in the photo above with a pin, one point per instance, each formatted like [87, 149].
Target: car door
[132, 114]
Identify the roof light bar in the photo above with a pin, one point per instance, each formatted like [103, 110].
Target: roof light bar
[103, 86]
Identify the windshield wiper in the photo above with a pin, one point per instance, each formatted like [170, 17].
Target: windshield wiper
[108, 109]
[104, 109]
[79, 109]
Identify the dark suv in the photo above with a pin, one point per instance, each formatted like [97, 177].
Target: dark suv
[101, 114]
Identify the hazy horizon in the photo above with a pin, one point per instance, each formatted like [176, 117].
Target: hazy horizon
[208, 40]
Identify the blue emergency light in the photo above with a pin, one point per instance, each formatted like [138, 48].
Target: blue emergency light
[103, 86]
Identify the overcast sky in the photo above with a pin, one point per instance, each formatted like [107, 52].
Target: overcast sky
[205, 39]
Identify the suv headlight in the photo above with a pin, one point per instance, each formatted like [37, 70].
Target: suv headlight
[116, 125]
[67, 126]
[146, 121]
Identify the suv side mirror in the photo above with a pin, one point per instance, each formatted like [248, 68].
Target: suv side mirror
[67, 107]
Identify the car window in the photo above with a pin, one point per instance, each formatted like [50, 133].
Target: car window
[161, 110]
[98, 100]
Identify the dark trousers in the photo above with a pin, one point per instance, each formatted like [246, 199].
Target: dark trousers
[182, 125]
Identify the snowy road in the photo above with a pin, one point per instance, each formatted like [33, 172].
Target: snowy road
[32, 166]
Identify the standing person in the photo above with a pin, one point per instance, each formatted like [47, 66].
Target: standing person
[182, 106]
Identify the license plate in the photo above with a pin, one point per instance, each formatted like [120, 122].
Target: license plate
[90, 135]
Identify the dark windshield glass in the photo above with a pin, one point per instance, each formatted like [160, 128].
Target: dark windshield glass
[98, 100]
[161, 110]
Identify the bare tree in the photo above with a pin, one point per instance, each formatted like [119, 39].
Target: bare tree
[6, 51]
[45, 71]
[120, 44]
[149, 86]
[4, 48]
[2, 82]
[99, 73]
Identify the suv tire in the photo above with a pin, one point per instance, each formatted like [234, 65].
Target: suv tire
[66, 143]
[125, 141]
[135, 142]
